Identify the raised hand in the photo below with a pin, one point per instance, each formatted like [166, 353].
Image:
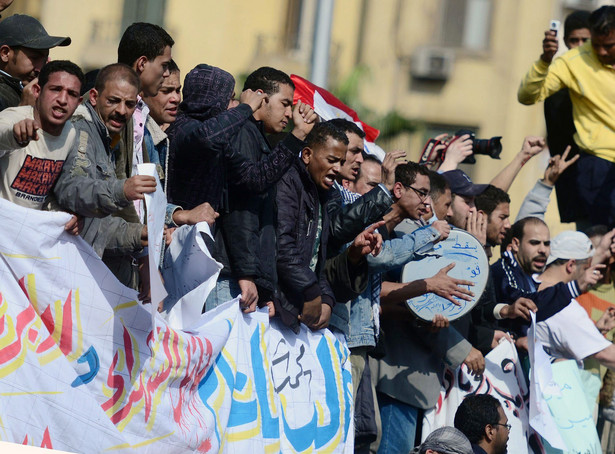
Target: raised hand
[549, 46]
[477, 225]
[458, 149]
[557, 165]
[304, 119]
[254, 99]
[25, 130]
[531, 146]
[389, 163]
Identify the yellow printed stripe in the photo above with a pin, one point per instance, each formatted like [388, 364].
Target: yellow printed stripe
[118, 308]
[137, 408]
[139, 445]
[54, 354]
[9, 332]
[333, 444]
[25, 256]
[274, 447]
[77, 352]
[31, 284]
[25, 393]
[244, 435]
[247, 392]
[58, 319]
[272, 405]
[321, 414]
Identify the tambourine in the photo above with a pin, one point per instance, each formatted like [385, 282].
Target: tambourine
[471, 264]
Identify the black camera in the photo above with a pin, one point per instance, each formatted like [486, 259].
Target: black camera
[490, 147]
[435, 150]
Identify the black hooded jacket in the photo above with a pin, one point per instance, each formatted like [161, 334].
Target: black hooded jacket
[200, 136]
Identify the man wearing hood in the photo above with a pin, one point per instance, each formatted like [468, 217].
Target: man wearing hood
[200, 135]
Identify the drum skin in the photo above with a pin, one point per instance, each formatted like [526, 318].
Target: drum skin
[471, 264]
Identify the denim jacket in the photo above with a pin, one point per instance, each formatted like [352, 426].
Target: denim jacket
[356, 319]
[157, 146]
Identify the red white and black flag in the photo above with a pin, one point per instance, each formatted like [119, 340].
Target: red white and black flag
[328, 107]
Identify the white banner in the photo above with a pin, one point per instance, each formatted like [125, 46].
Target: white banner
[502, 379]
[83, 369]
[562, 402]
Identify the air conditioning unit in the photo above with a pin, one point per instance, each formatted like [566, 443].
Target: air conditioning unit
[432, 63]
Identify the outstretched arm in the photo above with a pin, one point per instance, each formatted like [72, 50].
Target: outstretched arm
[531, 147]
[542, 80]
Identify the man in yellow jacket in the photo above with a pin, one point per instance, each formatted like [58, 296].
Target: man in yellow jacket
[589, 74]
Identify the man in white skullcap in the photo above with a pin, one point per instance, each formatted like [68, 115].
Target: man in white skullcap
[570, 333]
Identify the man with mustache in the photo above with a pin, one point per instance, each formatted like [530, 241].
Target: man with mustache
[146, 48]
[24, 49]
[88, 185]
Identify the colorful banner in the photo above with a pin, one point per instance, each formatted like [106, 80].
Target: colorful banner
[502, 379]
[84, 369]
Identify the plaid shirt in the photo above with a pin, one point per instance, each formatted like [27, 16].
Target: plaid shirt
[347, 196]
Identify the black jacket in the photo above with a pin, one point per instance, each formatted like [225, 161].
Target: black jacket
[350, 220]
[560, 134]
[246, 237]
[10, 91]
[200, 145]
[297, 207]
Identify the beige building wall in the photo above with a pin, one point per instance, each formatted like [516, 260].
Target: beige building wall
[383, 35]
[481, 89]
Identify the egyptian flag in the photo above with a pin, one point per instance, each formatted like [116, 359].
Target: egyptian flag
[329, 107]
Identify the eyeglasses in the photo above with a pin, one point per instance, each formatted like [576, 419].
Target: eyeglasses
[419, 192]
[508, 426]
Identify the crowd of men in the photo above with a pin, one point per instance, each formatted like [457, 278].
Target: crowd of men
[309, 225]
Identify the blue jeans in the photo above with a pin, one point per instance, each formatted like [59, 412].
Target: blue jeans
[398, 425]
[225, 290]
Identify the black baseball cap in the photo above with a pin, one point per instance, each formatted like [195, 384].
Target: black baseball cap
[26, 31]
[461, 184]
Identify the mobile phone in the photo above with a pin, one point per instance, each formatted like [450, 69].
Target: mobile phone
[554, 25]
